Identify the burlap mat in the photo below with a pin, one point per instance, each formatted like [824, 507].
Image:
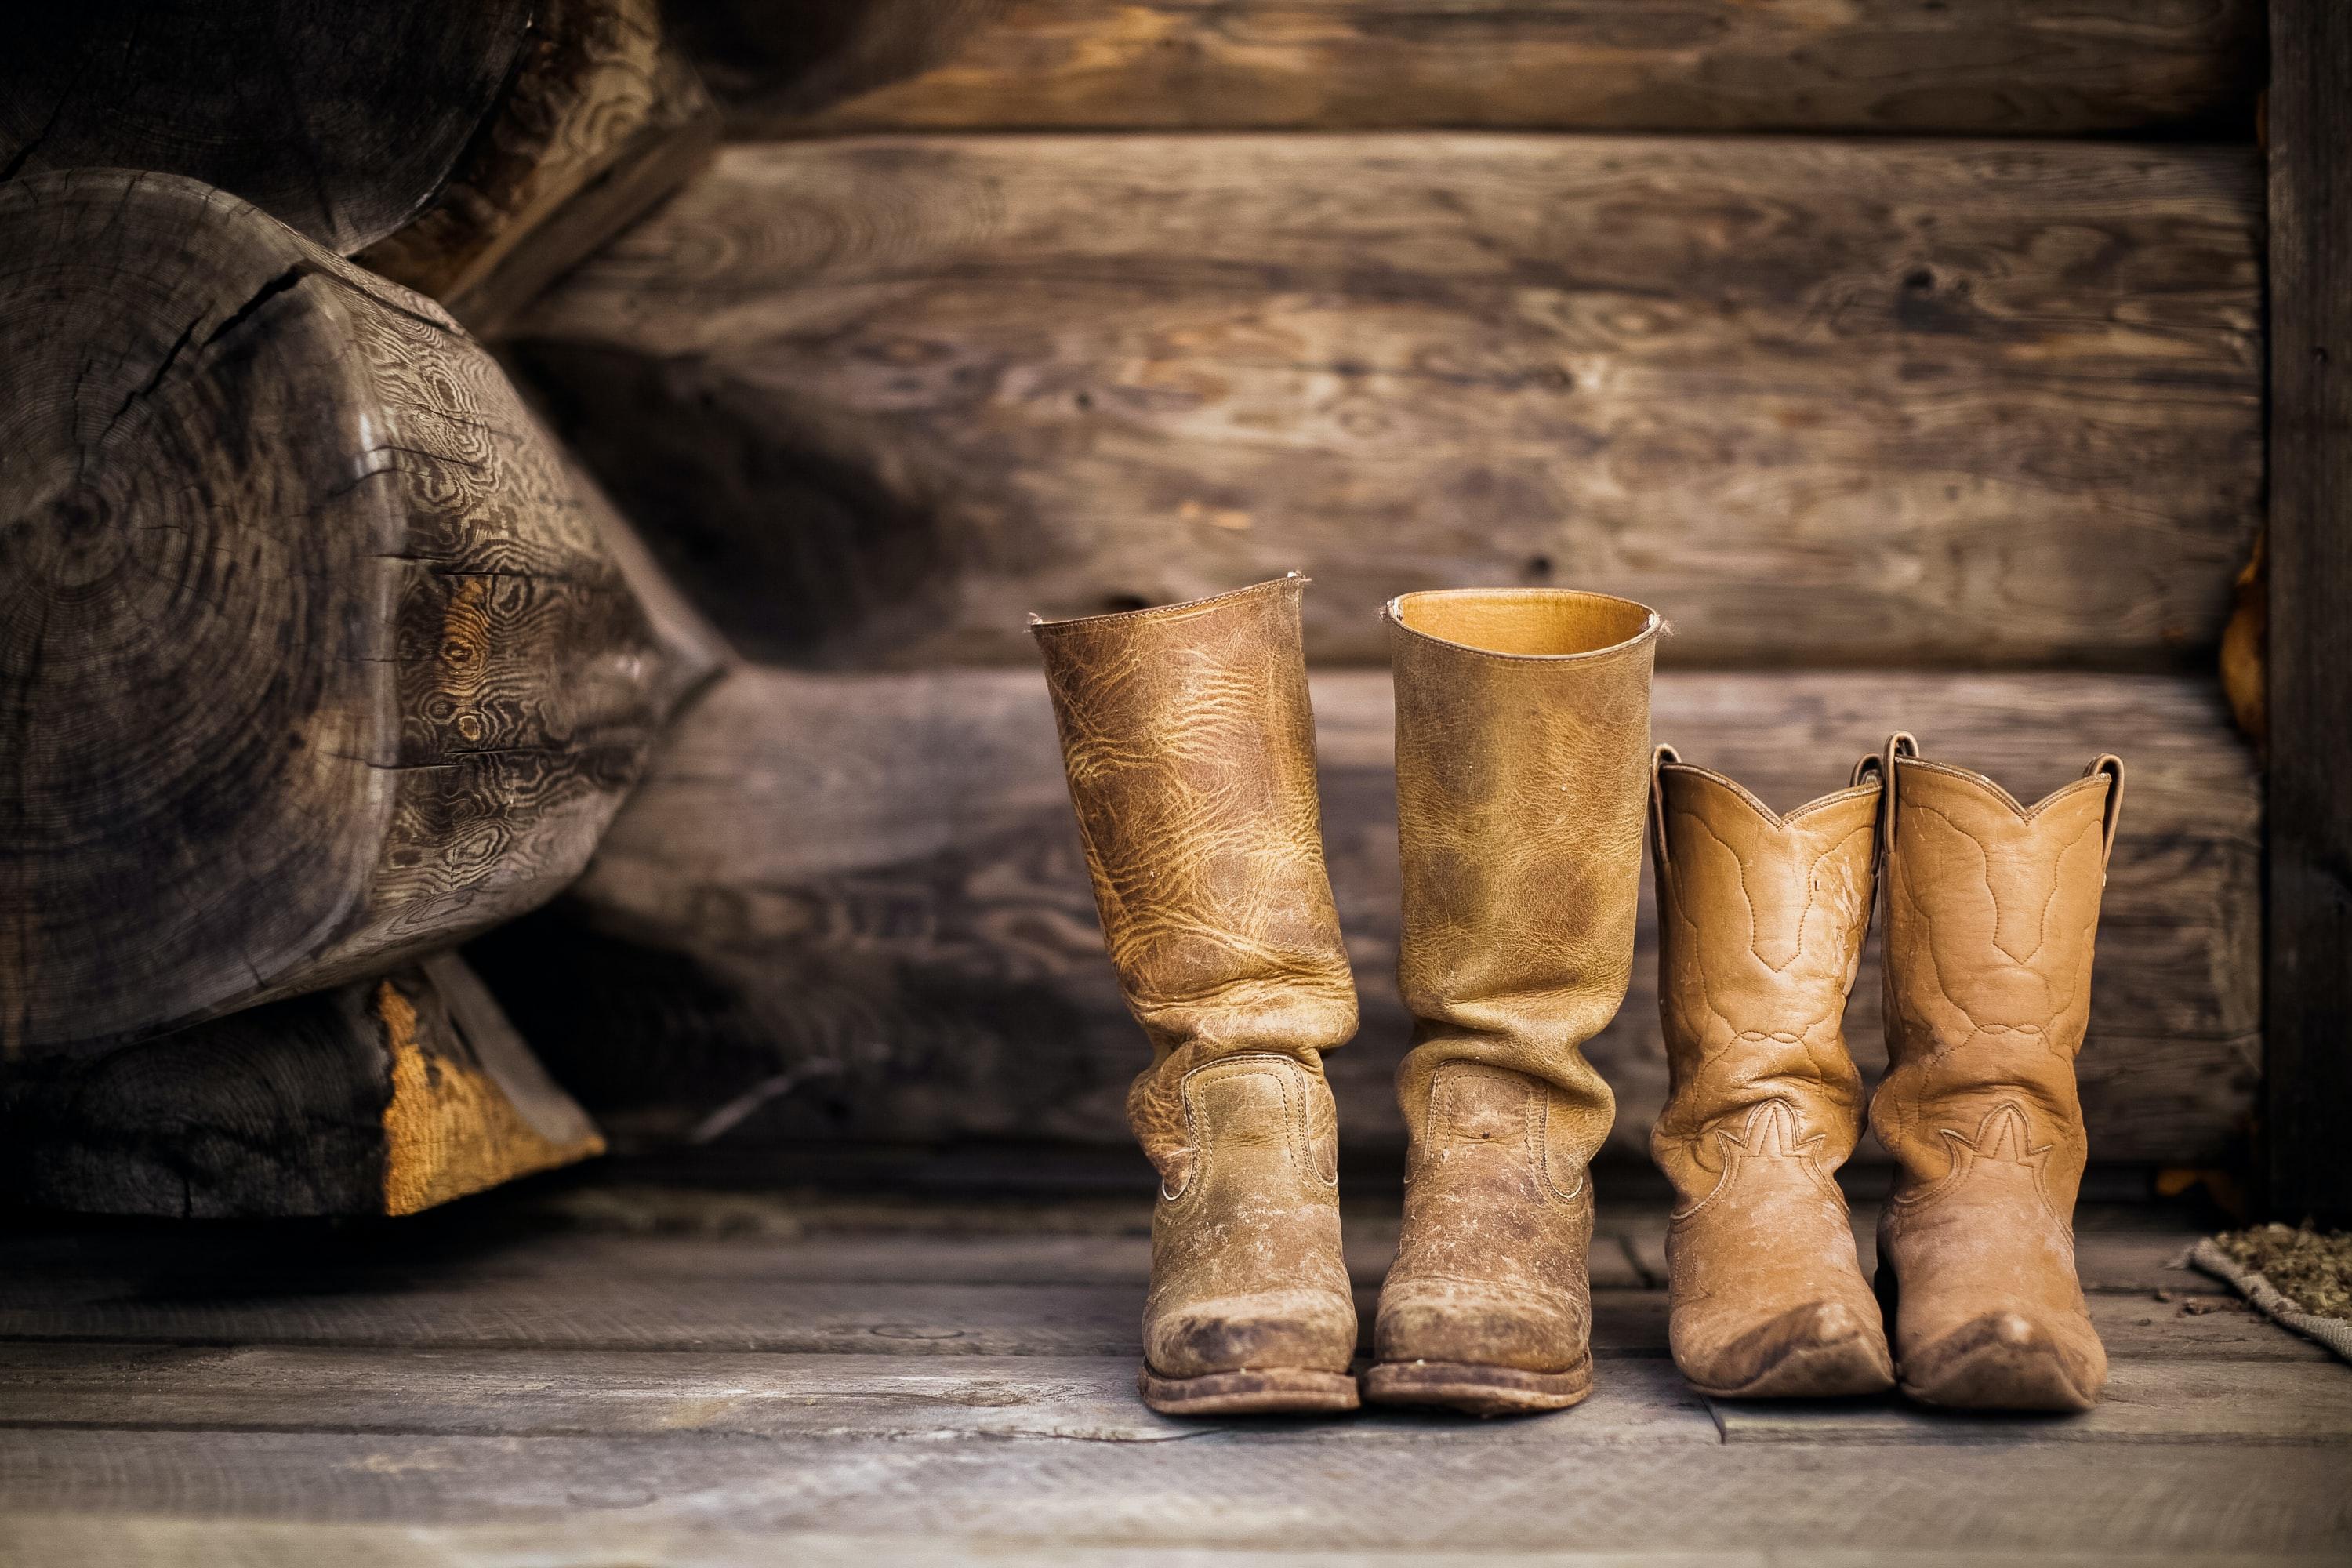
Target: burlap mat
[2336, 1333]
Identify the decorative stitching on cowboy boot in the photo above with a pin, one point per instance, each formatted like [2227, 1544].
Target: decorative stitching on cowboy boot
[1988, 1146]
[1776, 1140]
[1539, 1150]
[1260, 1064]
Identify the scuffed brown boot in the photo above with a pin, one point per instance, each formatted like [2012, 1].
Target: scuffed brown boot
[1990, 913]
[1191, 753]
[1760, 922]
[1523, 738]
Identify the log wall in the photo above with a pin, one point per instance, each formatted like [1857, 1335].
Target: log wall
[1925, 390]
[1824, 402]
[876, 877]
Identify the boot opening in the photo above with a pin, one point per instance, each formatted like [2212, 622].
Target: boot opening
[1529, 623]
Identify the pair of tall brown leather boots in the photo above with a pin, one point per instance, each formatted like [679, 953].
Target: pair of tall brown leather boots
[1524, 773]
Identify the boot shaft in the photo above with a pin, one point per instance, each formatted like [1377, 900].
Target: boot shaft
[1760, 926]
[1523, 720]
[1991, 912]
[1190, 745]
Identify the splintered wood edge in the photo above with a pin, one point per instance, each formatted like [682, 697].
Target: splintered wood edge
[471, 1109]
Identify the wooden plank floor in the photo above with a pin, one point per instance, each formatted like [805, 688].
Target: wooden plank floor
[594, 1374]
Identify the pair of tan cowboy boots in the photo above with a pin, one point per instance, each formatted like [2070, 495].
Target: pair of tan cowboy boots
[1522, 745]
[1989, 912]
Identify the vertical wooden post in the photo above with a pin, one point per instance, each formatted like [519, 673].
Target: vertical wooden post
[2308, 1033]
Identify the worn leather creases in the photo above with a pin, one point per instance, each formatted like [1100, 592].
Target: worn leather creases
[1761, 919]
[1189, 746]
[1991, 911]
[1522, 738]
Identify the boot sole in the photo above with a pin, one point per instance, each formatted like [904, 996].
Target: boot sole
[1272, 1390]
[1480, 1390]
[1814, 1371]
[2003, 1377]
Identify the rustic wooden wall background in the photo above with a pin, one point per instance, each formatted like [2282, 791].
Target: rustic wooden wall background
[1923, 388]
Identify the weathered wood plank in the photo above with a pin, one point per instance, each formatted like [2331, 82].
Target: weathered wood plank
[871, 884]
[2309, 1100]
[2159, 1499]
[1822, 401]
[1971, 67]
[536, 1394]
[829, 1318]
[2150, 1401]
[167, 1542]
[512, 1244]
[383, 1097]
[840, 1397]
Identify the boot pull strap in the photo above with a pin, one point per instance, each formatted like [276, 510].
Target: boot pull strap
[1658, 760]
[1899, 745]
[2112, 765]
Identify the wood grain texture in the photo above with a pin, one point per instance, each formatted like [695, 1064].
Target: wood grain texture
[839, 1397]
[382, 1097]
[2309, 569]
[538, 1379]
[338, 118]
[1960, 67]
[262, 1388]
[2145, 1401]
[141, 1541]
[644, 1313]
[536, 1237]
[1823, 402]
[311, 659]
[1022, 1498]
[858, 901]
[600, 120]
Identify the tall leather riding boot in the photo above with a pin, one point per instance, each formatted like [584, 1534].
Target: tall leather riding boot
[1523, 744]
[1191, 753]
[1991, 912]
[1760, 922]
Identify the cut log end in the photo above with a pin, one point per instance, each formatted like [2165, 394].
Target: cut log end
[364, 109]
[311, 659]
[194, 668]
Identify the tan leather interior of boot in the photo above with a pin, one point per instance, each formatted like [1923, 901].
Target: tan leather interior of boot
[1531, 623]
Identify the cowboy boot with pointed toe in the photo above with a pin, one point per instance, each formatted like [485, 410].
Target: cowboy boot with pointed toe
[1522, 749]
[1991, 910]
[1761, 924]
[1190, 753]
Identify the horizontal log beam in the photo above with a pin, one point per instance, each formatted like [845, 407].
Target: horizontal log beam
[855, 905]
[1967, 66]
[1828, 403]
[383, 1097]
[602, 119]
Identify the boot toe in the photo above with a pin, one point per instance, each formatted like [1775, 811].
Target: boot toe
[1306, 1329]
[2005, 1361]
[1479, 1323]
[1821, 1350]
